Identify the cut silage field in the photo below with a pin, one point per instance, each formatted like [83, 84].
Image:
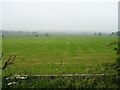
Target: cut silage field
[58, 54]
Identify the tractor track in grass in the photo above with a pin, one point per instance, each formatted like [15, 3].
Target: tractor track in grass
[85, 45]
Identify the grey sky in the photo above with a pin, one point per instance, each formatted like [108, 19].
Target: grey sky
[56, 17]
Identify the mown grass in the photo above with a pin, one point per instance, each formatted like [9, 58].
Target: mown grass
[58, 54]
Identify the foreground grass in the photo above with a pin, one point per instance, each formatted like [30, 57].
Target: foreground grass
[66, 82]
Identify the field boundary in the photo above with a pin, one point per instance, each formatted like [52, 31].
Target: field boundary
[55, 76]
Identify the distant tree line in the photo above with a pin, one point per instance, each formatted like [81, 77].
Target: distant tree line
[33, 33]
[117, 33]
[37, 34]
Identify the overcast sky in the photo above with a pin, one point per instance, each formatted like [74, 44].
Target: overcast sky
[60, 16]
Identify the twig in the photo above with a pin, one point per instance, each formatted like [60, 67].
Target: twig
[8, 62]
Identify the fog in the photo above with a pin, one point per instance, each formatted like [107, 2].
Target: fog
[60, 16]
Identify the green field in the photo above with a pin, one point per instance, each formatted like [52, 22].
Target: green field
[68, 54]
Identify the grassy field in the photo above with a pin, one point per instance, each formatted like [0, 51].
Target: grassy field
[58, 54]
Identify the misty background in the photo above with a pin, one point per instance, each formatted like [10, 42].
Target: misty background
[60, 17]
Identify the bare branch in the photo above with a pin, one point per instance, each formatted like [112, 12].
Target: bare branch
[8, 62]
[12, 61]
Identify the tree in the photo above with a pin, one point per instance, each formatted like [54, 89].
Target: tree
[95, 33]
[118, 33]
[113, 33]
[100, 33]
[36, 35]
[46, 35]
